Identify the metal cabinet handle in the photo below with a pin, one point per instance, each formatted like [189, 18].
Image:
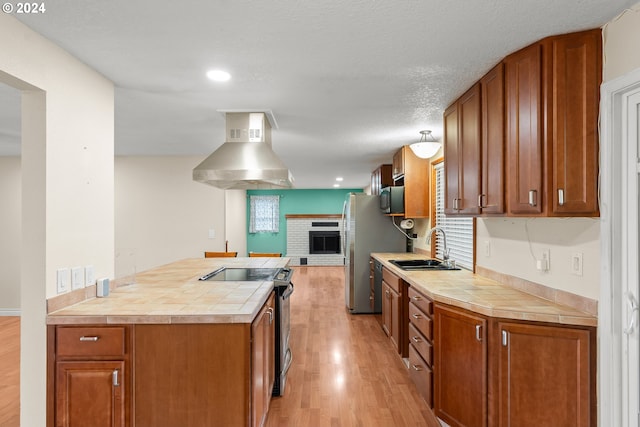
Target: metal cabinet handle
[416, 298]
[479, 332]
[416, 367]
[456, 204]
[416, 339]
[416, 316]
[84, 338]
[115, 378]
[533, 197]
[270, 311]
[481, 198]
[560, 197]
[505, 338]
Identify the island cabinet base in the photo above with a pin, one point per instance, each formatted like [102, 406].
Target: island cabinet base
[192, 375]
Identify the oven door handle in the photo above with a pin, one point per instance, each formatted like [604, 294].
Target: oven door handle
[287, 293]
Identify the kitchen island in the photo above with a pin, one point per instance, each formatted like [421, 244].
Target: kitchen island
[483, 353]
[167, 350]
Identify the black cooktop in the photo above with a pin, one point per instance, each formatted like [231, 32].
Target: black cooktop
[242, 274]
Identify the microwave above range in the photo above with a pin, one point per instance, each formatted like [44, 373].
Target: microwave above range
[392, 200]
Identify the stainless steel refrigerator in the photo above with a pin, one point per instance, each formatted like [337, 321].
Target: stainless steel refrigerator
[366, 230]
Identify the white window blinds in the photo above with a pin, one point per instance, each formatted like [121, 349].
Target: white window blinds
[264, 214]
[459, 230]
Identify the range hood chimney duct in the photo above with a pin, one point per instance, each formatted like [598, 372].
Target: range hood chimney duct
[245, 160]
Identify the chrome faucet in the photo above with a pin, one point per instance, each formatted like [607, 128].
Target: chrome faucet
[445, 250]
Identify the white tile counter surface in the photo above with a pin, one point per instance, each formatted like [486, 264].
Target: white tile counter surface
[172, 293]
[462, 288]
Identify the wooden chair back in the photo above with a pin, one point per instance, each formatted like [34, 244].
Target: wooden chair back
[220, 254]
[265, 254]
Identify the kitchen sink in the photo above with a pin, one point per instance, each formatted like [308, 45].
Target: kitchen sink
[422, 264]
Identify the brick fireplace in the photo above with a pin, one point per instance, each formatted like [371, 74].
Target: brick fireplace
[315, 239]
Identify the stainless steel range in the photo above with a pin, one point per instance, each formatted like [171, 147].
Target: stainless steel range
[283, 288]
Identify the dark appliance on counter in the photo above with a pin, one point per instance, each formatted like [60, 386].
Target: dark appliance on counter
[283, 288]
[392, 200]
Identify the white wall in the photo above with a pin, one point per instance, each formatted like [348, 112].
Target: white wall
[162, 215]
[621, 41]
[11, 238]
[67, 184]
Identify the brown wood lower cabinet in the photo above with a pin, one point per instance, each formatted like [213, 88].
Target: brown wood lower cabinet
[89, 376]
[546, 376]
[162, 375]
[507, 373]
[89, 394]
[394, 321]
[460, 342]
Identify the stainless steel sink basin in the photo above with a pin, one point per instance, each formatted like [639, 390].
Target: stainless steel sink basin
[422, 264]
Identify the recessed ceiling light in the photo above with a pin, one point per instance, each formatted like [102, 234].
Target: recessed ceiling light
[339, 179]
[218, 75]
[336, 185]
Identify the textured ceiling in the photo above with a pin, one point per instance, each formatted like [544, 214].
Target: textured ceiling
[348, 81]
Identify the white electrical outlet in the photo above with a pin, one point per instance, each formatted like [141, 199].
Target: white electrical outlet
[576, 263]
[544, 263]
[212, 233]
[487, 248]
[89, 275]
[63, 280]
[77, 278]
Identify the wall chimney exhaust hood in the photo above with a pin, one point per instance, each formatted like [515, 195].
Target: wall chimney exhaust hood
[245, 160]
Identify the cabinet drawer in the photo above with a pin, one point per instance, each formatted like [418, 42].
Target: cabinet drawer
[90, 341]
[421, 344]
[421, 321]
[392, 280]
[421, 375]
[422, 302]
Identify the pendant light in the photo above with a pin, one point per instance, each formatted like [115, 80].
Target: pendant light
[427, 147]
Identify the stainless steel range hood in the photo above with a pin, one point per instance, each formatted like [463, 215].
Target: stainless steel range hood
[245, 160]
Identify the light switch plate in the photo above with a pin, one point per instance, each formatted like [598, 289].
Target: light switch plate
[63, 280]
[77, 278]
[89, 275]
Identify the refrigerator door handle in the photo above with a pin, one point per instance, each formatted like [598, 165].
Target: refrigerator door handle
[343, 241]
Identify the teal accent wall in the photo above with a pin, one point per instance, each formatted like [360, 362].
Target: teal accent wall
[294, 202]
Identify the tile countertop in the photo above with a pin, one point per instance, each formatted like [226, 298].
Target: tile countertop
[172, 294]
[462, 288]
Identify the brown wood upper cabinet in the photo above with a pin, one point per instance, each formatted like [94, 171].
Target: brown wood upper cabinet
[412, 172]
[552, 96]
[462, 154]
[536, 112]
[474, 148]
[380, 178]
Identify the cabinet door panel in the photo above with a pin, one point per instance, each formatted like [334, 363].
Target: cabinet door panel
[460, 367]
[524, 130]
[451, 158]
[469, 151]
[576, 82]
[492, 98]
[544, 376]
[386, 308]
[87, 396]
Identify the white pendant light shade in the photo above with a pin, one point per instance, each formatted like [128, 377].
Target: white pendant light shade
[427, 147]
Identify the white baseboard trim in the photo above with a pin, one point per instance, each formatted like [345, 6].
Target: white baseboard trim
[9, 312]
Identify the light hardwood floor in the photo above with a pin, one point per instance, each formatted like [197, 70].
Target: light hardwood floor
[9, 371]
[344, 370]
